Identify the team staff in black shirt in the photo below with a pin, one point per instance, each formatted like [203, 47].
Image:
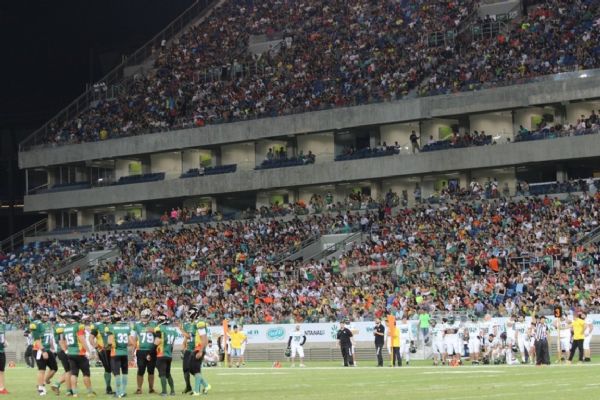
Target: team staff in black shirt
[379, 333]
[344, 337]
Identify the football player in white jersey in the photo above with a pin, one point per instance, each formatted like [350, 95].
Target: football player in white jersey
[587, 338]
[437, 341]
[406, 338]
[564, 326]
[509, 328]
[488, 326]
[522, 339]
[295, 344]
[473, 332]
[451, 340]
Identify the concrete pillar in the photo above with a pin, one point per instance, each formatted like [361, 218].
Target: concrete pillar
[561, 173]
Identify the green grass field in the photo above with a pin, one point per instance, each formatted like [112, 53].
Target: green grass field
[330, 381]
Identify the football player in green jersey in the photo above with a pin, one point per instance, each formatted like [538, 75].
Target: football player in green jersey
[74, 343]
[189, 336]
[61, 355]
[99, 340]
[144, 333]
[43, 336]
[164, 339]
[120, 338]
[3, 345]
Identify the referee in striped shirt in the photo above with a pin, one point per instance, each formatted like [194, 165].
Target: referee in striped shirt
[542, 352]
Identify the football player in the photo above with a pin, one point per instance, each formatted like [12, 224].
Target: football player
[62, 355]
[189, 336]
[406, 339]
[144, 334]
[99, 341]
[295, 344]
[43, 336]
[164, 339]
[563, 325]
[451, 340]
[522, 339]
[473, 332]
[437, 342]
[74, 344]
[120, 338]
[200, 344]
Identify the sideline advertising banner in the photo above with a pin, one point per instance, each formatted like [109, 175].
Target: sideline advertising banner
[363, 331]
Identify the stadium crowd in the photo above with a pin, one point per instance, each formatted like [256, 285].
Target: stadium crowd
[378, 55]
[499, 256]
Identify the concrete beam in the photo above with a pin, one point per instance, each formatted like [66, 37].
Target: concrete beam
[552, 90]
[501, 155]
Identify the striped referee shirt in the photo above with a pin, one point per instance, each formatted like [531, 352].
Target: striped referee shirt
[541, 331]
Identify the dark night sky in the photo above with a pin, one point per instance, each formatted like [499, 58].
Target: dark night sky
[51, 49]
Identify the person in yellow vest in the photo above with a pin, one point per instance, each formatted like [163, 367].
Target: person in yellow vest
[394, 346]
[578, 326]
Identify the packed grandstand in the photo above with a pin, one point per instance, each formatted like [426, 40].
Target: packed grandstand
[334, 54]
[502, 256]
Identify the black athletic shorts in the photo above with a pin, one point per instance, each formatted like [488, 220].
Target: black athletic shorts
[195, 364]
[79, 363]
[163, 365]
[50, 363]
[2, 361]
[64, 360]
[119, 365]
[104, 356]
[143, 364]
[187, 360]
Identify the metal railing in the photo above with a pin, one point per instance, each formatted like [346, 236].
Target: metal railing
[18, 239]
[116, 75]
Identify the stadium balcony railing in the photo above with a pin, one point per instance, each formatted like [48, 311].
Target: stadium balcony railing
[367, 153]
[290, 162]
[550, 133]
[460, 144]
[151, 177]
[220, 169]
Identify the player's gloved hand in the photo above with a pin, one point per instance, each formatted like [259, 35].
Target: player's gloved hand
[148, 357]
[45, 355]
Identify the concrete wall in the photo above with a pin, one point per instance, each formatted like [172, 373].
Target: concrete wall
[561, 88]
[242, 154]
[170, 163]
[398, 133]
[523, 117]
[495, 124]
[121, 168]
[190, 159]
[321, 144]
[499, 7]
[432, 128]
[575, 110]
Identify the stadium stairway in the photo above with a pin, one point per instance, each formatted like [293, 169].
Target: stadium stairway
[93, 258]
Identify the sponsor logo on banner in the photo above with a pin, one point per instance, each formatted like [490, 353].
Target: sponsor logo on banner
[276, 333]
[334, 331]
[311, 332]
[251, 333]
